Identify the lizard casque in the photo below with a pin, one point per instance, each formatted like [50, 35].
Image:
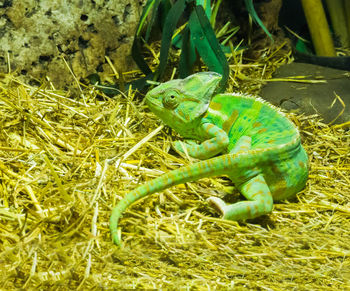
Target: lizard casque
[240, 136]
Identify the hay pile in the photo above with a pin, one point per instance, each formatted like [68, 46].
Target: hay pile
[65, 162]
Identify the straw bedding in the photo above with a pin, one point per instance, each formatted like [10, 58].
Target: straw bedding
[66, 160]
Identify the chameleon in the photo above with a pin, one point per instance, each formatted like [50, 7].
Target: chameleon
[238, 135]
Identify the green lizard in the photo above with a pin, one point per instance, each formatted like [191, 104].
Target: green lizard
[259, 147]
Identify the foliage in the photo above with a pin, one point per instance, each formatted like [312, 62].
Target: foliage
[195, 37]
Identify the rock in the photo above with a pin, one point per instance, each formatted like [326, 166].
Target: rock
[37, 34]
[311, 98]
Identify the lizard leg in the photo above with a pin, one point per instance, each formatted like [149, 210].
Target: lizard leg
[259, 202]
[215, 143]
[242, 145]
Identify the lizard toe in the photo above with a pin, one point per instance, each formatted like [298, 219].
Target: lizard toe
[218, 204]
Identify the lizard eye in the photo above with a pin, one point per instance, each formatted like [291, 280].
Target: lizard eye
[170, 101]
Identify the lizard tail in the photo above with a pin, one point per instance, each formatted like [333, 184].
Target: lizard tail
[212, 167]
[208, 168]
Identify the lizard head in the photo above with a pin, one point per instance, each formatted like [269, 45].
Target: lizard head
[181, 103]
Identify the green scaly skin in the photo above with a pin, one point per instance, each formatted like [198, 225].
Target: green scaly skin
[240, 136]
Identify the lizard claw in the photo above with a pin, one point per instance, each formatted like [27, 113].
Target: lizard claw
[218, 204]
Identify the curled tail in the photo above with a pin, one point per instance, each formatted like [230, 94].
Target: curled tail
[208, 168]
[212, 167]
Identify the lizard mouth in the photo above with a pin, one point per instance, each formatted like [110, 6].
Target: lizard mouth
[153, 103]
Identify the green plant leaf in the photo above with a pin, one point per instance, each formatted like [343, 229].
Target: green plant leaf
[141, 83]
[177, 40]
[153, 19]
[188, 54]
[164, 8]
[207, 45]
[138, 58]
[206, 6]
[250, 7]
[145, 12]
[169, 27]
[136, 46]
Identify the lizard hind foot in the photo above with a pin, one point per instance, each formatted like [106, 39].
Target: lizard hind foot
[218, 204]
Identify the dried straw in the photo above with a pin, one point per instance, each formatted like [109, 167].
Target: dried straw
[65, 162]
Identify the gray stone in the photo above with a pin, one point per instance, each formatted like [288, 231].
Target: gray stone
[36, 34]
[311, 98]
